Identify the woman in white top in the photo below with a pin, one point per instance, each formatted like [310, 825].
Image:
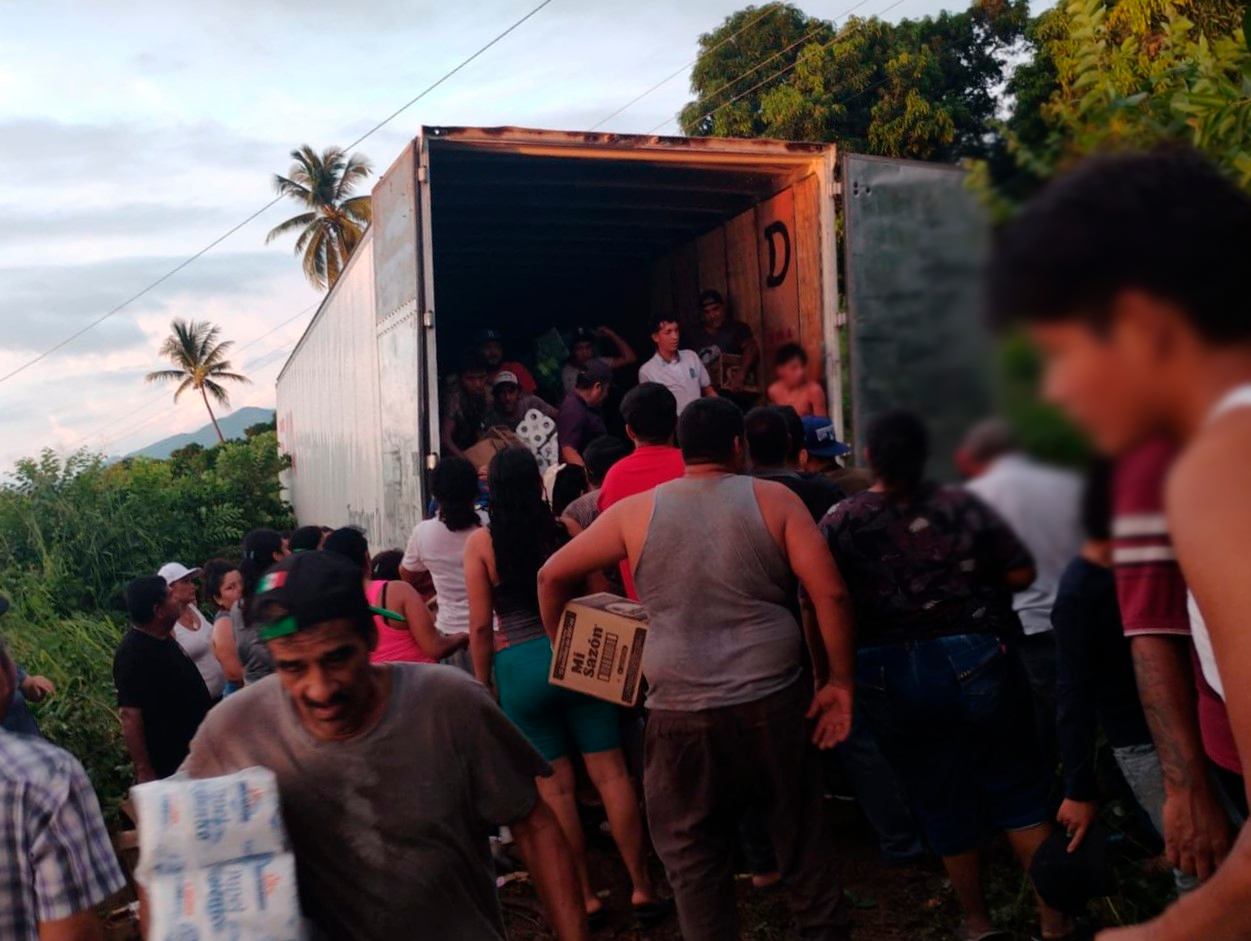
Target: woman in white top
[193, 631]
[437, 547]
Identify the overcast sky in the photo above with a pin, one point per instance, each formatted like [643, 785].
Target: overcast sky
[132, 135]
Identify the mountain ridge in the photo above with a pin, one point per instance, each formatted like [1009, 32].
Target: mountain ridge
[232, 425]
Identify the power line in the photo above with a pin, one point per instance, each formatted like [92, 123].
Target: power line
[255, 364]
[781, 52]
[99, 432]
[826, 45]
[773, 8]
[269, 205]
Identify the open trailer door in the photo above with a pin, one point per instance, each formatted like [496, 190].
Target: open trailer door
[915, 247]
[405, 322]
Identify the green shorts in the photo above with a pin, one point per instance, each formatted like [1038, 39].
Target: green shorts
[557, 722]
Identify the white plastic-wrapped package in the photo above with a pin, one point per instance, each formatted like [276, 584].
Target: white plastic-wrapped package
[188, 824]
[251, 900]
[213, 859]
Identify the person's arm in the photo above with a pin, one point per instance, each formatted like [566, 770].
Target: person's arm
[481, 605]
[570, 455]
[408, 602]
[595, 549]
[85, 926]
[1209, 514]
[1196, 825]
[72, 862]
[816, 398]
[136, 745]
[549, 861]
[705, 380]
[625, 353]
[1076, 719]
[751, 356]
[813, 565]
[448, 428]
[224, 649]
[1020, 578]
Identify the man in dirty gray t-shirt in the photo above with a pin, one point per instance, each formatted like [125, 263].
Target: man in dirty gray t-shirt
[390, 775]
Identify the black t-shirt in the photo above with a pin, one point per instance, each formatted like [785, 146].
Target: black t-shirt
[158, 678]
[730, 338]
[819, 493]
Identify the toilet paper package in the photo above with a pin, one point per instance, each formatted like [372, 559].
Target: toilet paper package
[188, 824]
[213, 859]
[251, 900]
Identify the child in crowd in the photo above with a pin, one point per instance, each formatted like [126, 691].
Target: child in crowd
[793, 386]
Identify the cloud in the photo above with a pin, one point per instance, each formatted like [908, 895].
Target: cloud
[42, 304]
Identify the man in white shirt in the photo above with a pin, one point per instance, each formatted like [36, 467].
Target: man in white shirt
[680, 371]
[1043, 506]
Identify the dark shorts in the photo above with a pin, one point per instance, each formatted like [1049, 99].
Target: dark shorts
[953, 717]
[558, 722]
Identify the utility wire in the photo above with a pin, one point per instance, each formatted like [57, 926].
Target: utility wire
[269, 205]
[772, 8]
[826, 45]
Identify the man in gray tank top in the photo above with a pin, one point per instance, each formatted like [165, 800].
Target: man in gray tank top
[717, 558]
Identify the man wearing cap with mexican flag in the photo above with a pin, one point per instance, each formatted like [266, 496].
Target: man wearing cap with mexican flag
[390, 774]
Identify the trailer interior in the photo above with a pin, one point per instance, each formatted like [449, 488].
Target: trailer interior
[532, 231]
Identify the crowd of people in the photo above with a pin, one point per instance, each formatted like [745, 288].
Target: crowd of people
[958, 650]
[494, 392]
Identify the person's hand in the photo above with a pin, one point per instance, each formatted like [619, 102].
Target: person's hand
[831, 707]
[37, 688]
[603, 331]
[482, 471]
[1076, 818]
[1197, 830]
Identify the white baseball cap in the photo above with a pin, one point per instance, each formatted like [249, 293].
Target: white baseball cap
[176, 572]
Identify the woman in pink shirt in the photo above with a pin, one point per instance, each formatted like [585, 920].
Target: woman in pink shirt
[410, 636]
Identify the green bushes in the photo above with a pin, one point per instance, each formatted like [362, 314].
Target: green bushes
[74, 531]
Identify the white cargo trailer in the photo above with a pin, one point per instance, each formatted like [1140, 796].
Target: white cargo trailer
[524, 230]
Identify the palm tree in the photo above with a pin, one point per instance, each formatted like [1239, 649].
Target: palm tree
[200, 360]
[335, 219]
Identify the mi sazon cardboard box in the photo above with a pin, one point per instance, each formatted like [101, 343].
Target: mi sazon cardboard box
[599, 648]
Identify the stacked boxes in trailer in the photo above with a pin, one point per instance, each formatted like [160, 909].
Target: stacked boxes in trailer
[522, 231]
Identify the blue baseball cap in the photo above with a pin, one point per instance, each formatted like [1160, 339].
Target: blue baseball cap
[820, 439]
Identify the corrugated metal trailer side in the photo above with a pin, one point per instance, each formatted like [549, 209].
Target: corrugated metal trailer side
[329, 421]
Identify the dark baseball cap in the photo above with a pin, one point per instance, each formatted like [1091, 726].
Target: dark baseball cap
[821, 440]
[308, 589]
[596, 371]
[1067, 881]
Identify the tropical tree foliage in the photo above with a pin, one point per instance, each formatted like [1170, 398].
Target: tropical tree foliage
[199, 357]
[920, 88]
[75, 530]
[333, 220]
[1137, 74]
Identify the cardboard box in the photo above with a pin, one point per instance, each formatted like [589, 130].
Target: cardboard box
[599, 648]
[494, 441]
[721, 368]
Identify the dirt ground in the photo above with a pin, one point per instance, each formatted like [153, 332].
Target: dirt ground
[888, 903]
[908, 903]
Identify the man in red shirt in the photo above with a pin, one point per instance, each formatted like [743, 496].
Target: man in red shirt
[1188, 720]
[651, 415]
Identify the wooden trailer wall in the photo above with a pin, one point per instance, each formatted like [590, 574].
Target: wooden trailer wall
[766, 262]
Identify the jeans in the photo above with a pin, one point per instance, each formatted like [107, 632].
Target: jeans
[952, 716]
[878, 793]
[1038, 655]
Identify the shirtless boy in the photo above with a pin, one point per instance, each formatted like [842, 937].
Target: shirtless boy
[793, 386]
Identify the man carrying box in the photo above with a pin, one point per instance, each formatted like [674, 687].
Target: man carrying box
[390, 775]
[715, 557]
